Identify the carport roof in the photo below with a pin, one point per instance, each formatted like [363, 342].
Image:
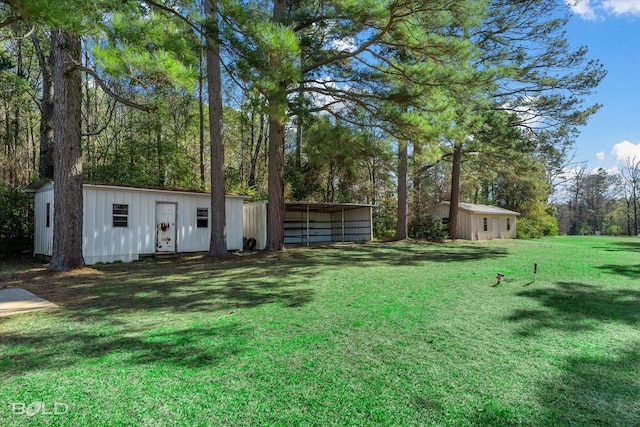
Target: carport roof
[323, 207]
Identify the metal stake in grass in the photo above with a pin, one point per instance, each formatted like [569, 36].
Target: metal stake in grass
[499, 278]
[535, 273]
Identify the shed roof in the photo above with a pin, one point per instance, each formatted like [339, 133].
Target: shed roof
[36, 185]
[483, 209]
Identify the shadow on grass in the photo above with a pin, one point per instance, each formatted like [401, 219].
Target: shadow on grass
[631, 245]
[596, 390]
[187, 284]
[599, 387]
[192, 347]
[631, 271]
[576, 306]
[589, 391]
[200, 283]
[399, 254]
[106, 309]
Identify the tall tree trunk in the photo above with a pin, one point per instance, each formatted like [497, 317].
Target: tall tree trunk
[299, 127]
[276, 182]
[45, 168]
[635, 212]
[455, 190]
[161, 178]
[201, 111]
[67, 109]
[277, 111]
[416, 200]
[403, 203]
[15, 121]
[218, 243]
[256, 151]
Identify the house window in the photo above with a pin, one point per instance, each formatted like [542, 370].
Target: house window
[202, 217]
[485, 224]
[508, 224]
[48, 216]
[120, 215]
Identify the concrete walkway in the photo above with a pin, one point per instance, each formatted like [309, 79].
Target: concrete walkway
[17, 300]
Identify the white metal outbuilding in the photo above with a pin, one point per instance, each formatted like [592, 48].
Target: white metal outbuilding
[121, 223]
[480, 222]
[312, 222]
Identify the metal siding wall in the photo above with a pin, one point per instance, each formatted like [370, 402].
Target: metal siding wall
[295, 227]
[199, 238]
[185, 223]
[43, 236]
[509, 234]
[92, 218]
[102, 242]
[146, 239]
[254, 220]
[357, 226]
[234, 213]
[464, 225]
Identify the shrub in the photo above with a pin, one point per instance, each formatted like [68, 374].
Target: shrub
[16, 222]
[427, 227]
[534, 228]
[385, 219]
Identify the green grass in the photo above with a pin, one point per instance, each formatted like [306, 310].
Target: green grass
[378, 334]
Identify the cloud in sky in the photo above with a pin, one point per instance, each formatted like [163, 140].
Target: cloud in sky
[592, 9]
[625, 150]
[622, 7]
[582, 8]
[601, 156]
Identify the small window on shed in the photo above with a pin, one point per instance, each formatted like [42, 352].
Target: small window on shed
[120, 215]
[508, 224]
[485, 224]
[48, 216]
[202, 217]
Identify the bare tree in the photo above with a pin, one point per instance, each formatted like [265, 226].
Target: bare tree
[631, 182]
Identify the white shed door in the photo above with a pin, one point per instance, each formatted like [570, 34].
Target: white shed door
[495, 228]
[165, 227]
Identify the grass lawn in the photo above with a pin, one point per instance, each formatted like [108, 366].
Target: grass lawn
[399, 334]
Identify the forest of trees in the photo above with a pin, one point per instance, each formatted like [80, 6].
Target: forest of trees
[399, 103]
[598, 202]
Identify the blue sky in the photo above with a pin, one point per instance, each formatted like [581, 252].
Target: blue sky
[610, 29]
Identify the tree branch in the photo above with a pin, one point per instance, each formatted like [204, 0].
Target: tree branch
[108, 91]
[110, 109]
[10, 21]
[193, 26]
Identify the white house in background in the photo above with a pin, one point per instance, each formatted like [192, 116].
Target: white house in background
[121, 223]
[311, 222]
[480, 222]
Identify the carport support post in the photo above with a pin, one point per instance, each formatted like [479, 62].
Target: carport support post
[342, 210]
[307, 225]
